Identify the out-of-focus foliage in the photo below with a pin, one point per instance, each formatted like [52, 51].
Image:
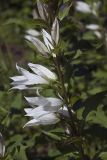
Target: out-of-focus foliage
[84, 61]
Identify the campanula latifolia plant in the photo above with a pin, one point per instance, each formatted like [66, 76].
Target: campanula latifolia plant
[71, 106]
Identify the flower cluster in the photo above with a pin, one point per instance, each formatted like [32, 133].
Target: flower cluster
[43, 110]
[49, 40]
[44, 113]
[40, 75]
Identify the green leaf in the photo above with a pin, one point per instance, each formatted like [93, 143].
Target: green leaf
[88, 36]
[53, 152]
[103, 156]
[21, 154]
[67, 156]
[65, 1]
[17, 101]
[78, 54]
[92, 102]
[97, 117]
[52, 135]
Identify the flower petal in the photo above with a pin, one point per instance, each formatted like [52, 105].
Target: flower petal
[42, 71]
[20, 87]
[33, 32]
[41, 10]
[30, 78]
[37, 101]
[38, 44]
[18, 78]
[55, 31]
[48, 119]
[47, 35]
[31, 123]
[54, 101]
[37, 112]
[47, 40]
[98, 34]
[83, 7]
[93, 26]
[28, 110]
[35, 14]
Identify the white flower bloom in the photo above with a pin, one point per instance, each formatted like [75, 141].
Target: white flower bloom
[46, 107]
[47, 119]
[83, 7]
[2, 146]
[41, 75]
[37, 101]
[37, 112]
[93, 27]
[49, 103]
[49, 40]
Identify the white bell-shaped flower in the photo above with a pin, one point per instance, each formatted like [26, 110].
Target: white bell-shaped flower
[46, 46]
[49, 104]
[41, 75]
[47, 107]
[47, 119]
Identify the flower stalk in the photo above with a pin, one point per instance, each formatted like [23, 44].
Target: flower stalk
[63, 92]
[44, 110]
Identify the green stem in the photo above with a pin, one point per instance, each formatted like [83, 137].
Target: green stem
[81, 151]
[64, 95]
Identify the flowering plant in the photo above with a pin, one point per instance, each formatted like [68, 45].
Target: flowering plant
[60, 108]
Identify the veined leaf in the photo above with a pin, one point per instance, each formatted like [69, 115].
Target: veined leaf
[98, 117]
